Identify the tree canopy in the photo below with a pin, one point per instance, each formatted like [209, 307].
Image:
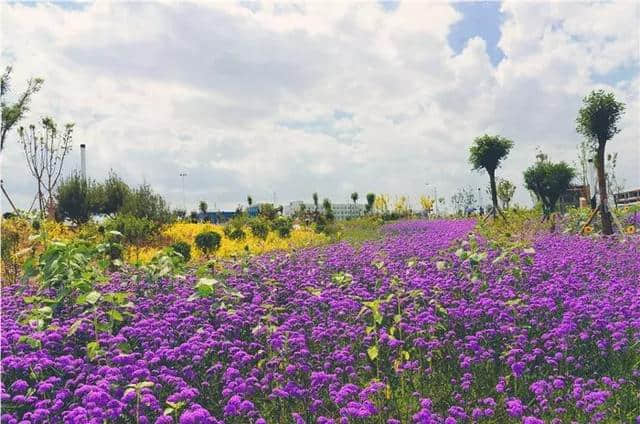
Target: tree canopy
[487, 152]
[548, 181]
[13, 113]
[599, 116]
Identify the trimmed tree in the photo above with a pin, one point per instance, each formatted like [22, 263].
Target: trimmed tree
[548, 181]
[487, 152]
[505, 192]
[208, 241]
[597, 121]
[371, 198]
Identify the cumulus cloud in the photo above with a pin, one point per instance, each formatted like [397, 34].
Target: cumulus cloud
[264, 97]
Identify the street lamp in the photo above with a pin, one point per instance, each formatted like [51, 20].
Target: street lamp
[184, 203]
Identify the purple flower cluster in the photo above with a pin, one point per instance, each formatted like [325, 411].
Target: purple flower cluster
[405, 329]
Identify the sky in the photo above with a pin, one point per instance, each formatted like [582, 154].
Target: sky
[283, 99]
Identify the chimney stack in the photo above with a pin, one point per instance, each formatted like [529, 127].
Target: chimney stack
[83, 161]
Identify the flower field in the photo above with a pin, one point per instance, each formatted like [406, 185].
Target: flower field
[186, 232]
[430, 324]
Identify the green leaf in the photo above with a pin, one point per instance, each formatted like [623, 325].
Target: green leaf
[204, 286]
[373, 353]
[93, 350]
[93, 297]
[34, 343]
[115, 315]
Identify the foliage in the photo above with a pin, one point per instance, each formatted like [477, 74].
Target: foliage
[208, 242]
[282, 226]
[487, 152]
[13, 113]
[598, 121]
[505, 192]
[259, 228]
[598, 118]
[11, 243]
[426, 203]
[165, 263]
[202, 207]
[359, 230]
[184, 249]
[114, 194]
[548, 181]
[135, 231]
[381, 204]
[428, 324]
[371, 199]
[77, 199]
[354, 197]
[144, 203]
[401, 206]
[268, 211]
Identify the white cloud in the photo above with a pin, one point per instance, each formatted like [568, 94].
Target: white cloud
[244, 97]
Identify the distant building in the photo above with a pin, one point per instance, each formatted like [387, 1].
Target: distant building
[216, 217]
[630, 197]
[340, 210]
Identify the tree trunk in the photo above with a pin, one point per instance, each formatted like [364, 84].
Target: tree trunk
[607, 228]
[494, 192]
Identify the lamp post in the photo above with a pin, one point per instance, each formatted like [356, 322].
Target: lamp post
[184, 203]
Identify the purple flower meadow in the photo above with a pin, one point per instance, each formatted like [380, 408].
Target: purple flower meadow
[426, 325]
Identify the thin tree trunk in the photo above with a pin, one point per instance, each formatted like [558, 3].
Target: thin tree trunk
[494, 192]
[607, 228]
[9, 199]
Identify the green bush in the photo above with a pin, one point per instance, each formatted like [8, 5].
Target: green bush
[208, 241]
[134, 230]
[282, 226]
[143, 202]
[259, 228]
[184, 249]
[236, 234]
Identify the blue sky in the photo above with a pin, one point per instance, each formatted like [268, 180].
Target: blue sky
[332, 98]
[480, 19]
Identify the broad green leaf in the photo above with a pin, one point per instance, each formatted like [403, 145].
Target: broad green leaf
[373, 352]
[93, 297]
[93, 350]
[34, 343]
[115, 315]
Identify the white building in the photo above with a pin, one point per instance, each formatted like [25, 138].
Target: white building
[340, 210]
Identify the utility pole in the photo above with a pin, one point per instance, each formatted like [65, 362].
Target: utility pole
[184, 202]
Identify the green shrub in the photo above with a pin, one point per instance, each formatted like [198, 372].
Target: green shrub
[236, 234]
[184, 249]
[282, 226]
[259, 228]
[134, 230]
[208, 241]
